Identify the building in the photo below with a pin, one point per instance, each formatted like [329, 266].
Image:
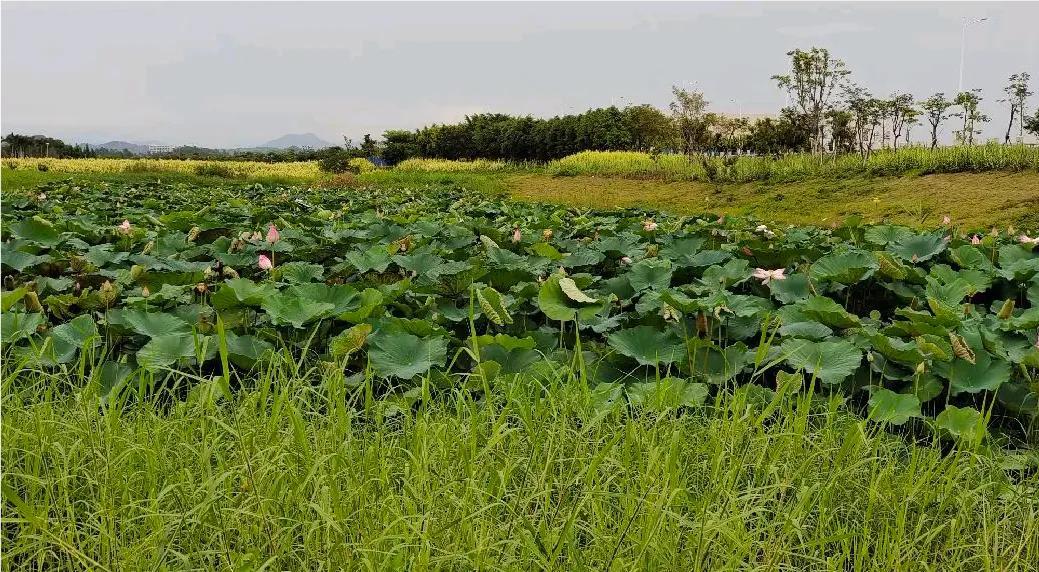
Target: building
[159, 149]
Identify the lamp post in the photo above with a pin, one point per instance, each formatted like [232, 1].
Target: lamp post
[963, 45]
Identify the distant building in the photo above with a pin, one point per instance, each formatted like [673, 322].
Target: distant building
[159, 149]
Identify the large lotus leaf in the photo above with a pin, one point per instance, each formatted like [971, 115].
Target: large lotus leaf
[362, 306]
[17, 325]
[36, 231]
[19, 260]
[794, 288]
[149, 323]
[716, 365]
[733, 272]
[708, 258]
[1026, 321]
[163, 351]
[287, 309]
[985, 374]
[808, 330]
[647, 345]
[830, 361]
[1020, 398]
[896, 350]
[828, 312]
[557, 305]
[242, 291]
[886, 406]
[652, 273]
[668, 393]
[845, 268]
[341, 296]
[514, 355]
[1018, 263]
[9, 299]
[969, 256]
[245, 351]
[349, 340]
[583, 257]
[918, 248]
[376, 258]
[964, 424]
[949, 294]
[546, 250]
[883, 234]
[102, 255]
[403, 355]
[299, 272]
[112, 377]
[573, 292]
[977, 280]
[68, 338]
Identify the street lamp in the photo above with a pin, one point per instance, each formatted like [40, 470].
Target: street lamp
[963, 44]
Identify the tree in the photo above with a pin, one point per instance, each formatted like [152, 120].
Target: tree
[936, 108]
[813, 78]
[867, 113]
[1017, 93]
[1031, 123]
[969, 102]
[650, 128]
[688, 110]
[901, 110]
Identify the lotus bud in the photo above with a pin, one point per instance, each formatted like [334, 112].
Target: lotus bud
[516, 234]
[145, 292]
[1007, 310]
[230, 272]
[32, 302]
[625, 260]
[125, 227]
[869, 357]
[244, 235]
[193, 233]
[546, 234]
[946, 220]
[256, 236]
[920, 368]
[136, 271]
[272, 234]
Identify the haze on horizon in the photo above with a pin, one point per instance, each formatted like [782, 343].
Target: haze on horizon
[239, 74]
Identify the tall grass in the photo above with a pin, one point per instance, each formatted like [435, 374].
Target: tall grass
[911, 160]
[300, 469]
[301, 171]
[449, 166]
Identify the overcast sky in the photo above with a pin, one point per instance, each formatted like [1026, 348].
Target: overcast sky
[239, 74]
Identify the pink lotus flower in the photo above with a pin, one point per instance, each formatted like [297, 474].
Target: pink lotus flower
[264, 263]
[516, 235]
[1023, 239]
[124, 227]
[767, 276]
[975, 239]
[649, 225]
[272, 234]
[946, 220]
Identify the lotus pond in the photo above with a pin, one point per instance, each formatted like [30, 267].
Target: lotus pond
[434, 288]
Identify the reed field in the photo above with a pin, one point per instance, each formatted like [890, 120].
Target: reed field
[247, 170]
[449, 166]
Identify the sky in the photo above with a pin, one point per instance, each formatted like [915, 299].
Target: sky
[240, 74]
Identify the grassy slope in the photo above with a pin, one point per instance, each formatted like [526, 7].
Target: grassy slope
[973, 200]
[289, 477]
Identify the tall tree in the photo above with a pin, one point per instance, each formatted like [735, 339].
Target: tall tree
[650, 128]
[969, 101]
[901, 109]
[936, 108]
[1030, 123]
[1017, 93]
[814, 76]
[689, 112]
[867, 113]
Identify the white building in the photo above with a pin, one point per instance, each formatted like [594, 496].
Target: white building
[159, 149]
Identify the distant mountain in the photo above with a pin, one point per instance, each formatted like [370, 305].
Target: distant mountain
[296, 140]
[136, 148]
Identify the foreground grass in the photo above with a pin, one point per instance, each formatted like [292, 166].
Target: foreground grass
[298, 470]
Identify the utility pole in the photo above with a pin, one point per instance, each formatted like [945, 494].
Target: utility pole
[963, 45]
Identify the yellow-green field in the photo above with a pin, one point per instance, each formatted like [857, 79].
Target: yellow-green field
[973, 199]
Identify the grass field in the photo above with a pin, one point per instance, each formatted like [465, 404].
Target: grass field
[287, 475]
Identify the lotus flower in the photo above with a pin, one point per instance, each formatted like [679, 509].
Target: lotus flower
[649, 225]
[516, 235]
[42, 196]
[1023, 239]
[975, 239]
[124, 227]
[721, 219]
[946, 220]
[767, 276]
[264, 263]
[625, 260]
[272, 234]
